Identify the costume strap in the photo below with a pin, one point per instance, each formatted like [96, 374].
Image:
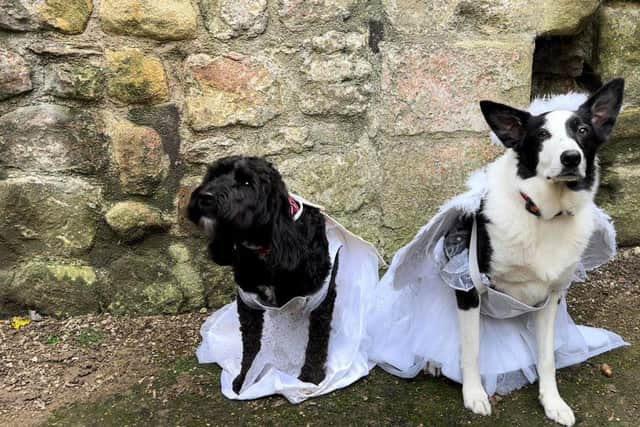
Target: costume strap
[474, 269]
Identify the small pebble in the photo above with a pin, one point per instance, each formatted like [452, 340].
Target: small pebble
[606, 370]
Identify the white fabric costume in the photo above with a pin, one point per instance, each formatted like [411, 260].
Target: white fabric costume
[414, 319]
[276, 368]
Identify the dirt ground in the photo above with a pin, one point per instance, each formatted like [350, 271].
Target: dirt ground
[104, 370]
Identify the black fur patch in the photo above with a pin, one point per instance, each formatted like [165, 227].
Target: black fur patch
[467, 299]
[529, 149]
[589, 145]
[251, 323]
[470, 299]
[313, 370]
[485, 251]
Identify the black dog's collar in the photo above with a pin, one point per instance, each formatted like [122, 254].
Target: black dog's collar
[531, 207]
[260, 250]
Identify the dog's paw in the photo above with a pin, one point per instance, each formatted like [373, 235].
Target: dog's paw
[432, 368]
[476, 400]
[557, 409]
[311, 376]
[237, 384]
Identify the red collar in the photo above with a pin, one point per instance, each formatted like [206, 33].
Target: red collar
[262, 251]
[529, 205]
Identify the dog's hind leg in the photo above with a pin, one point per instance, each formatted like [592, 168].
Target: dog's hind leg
[554, 406]
[474, 396]
[313, 370]
[251, 323]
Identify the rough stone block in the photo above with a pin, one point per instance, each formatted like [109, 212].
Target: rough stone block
[138, 155]
[158, 282]
[15, 76]
[135, 78]
[66, 16]
[224, 91]
[160, 20]
[53, 287]
[17, 15]
[298, 14]
[83, 81]
[133, 220]
[436, 87]
[50, 138]
[336, 75]
[619, 46]
[619, 197]
[227, 19]
[346, 183]
[47, 216]
[543, 17]
[420, 175]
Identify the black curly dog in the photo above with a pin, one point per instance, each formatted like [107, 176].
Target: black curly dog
[244, 207]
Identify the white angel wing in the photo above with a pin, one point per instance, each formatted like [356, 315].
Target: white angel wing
[405, 267]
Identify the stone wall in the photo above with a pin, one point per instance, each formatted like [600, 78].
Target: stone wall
[110, 110]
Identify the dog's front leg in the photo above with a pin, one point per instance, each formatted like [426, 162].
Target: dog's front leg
[554, 406]
[474, 396]
[313, 370]
[251, 323]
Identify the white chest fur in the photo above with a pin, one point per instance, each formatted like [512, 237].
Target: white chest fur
[534, 255]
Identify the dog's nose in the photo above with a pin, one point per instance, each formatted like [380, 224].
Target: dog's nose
[570, 158]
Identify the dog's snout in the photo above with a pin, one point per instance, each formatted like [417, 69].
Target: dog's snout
[570, 158]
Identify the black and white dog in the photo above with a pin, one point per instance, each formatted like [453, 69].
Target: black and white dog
[534, 224]
[253, 225]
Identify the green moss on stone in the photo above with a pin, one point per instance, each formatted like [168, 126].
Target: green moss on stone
[136, 78]
[58, 288]
[132, 220]
[67, 16]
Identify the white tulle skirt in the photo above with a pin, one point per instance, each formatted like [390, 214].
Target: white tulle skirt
[418, 323]
[276, 368]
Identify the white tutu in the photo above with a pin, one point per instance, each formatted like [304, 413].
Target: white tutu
[414, 319]
[276, 368]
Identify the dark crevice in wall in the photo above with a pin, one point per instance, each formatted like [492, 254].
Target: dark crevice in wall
[376, 35]
[565, 63]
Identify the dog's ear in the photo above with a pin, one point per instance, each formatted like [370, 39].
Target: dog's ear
[603, 107]
[509, 124]
[286, 248]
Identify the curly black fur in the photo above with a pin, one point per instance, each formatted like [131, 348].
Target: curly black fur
[243, 204]
[251, 323]
[319, 333]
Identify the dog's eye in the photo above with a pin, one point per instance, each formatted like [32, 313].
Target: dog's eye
[583, 130]
[543, 134]
[245, 183]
